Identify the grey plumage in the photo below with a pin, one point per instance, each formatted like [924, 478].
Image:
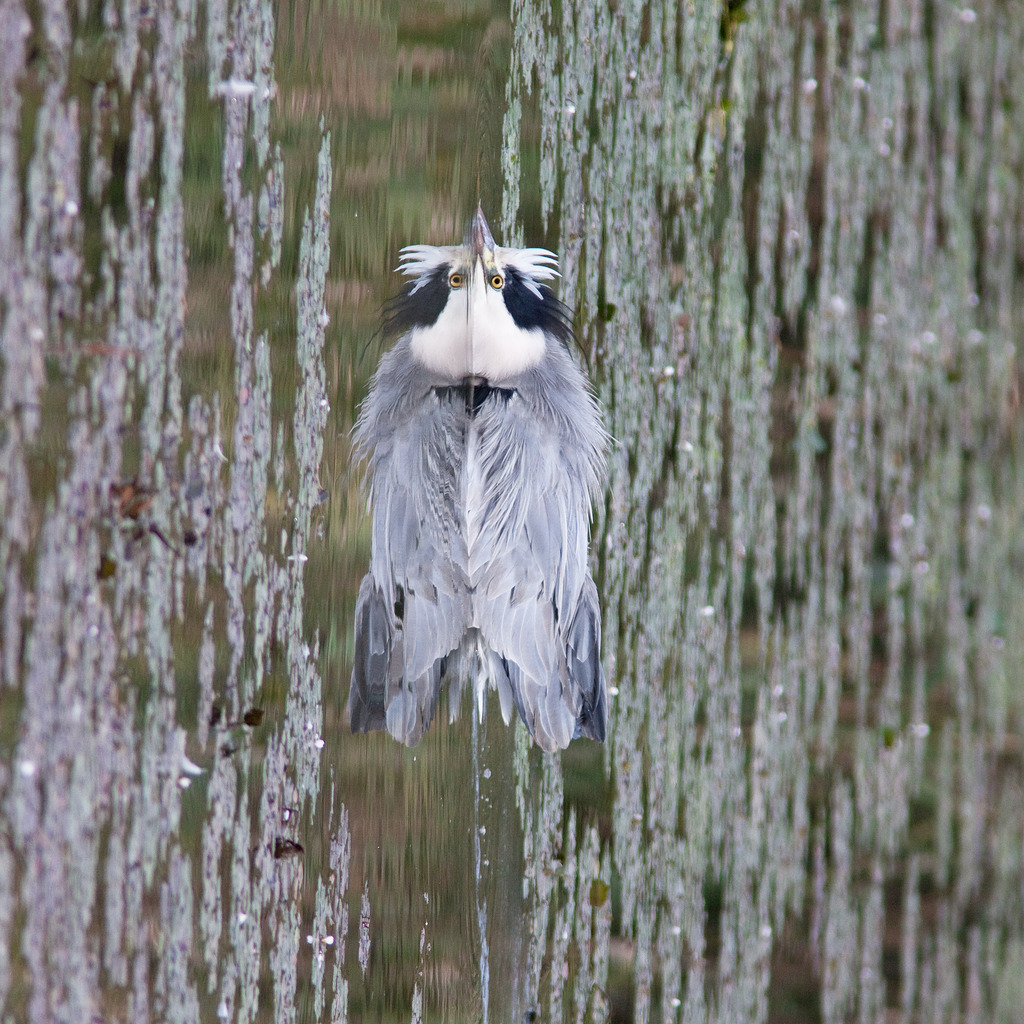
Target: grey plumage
[481, 488]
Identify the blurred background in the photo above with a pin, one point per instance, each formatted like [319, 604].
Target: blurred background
[792, 233]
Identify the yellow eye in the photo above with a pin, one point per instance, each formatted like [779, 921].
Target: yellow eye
[497, 281]
[455, 280]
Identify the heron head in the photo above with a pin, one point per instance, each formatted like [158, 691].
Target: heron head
[478, 309]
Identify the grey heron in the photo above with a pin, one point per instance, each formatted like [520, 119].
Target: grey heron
[485, 451]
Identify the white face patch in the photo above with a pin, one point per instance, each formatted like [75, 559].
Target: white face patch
[475, 334]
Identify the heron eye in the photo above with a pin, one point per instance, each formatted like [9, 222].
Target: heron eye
[497, 281]
[455, 280]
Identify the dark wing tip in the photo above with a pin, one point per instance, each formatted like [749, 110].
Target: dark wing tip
[380, 697]
[591, 720]
[368, 693]
[583, 657]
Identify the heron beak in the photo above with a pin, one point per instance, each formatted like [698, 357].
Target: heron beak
[481, 240]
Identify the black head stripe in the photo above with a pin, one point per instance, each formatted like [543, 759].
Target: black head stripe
[547, 313]
[408, 310]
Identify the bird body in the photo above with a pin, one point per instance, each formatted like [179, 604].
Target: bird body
[485, 450]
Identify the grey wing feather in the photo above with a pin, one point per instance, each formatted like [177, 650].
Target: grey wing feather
[413, 605]
[422, 551]
[535, 601]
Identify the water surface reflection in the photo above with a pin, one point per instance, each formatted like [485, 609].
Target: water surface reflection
[792, 237]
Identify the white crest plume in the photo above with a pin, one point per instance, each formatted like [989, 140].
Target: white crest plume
[535, 265]
[421, 261]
